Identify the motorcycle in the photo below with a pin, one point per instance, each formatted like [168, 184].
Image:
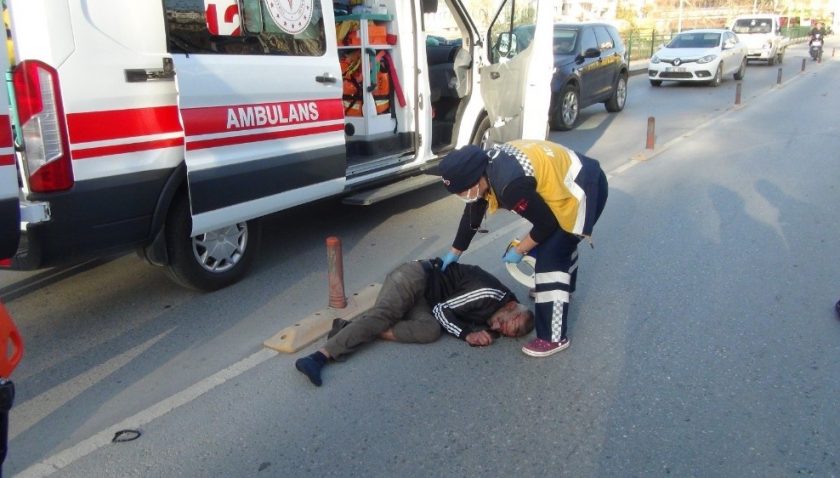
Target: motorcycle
[816, 47]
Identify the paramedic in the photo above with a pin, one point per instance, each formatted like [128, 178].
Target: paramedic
[562, 194]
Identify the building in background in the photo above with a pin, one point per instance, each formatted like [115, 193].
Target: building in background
[673, 15]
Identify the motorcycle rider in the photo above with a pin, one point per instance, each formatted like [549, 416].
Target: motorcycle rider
[818, 28]
[816, 33]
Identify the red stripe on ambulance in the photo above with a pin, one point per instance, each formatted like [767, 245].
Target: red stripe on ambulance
[119, 124]
[5, 132]
[6, 141]
[251, 138]
[222, 119]
[127, 148]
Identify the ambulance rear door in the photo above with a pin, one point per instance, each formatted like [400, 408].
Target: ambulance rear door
[9, 202]
[259, 92]
[516, 79]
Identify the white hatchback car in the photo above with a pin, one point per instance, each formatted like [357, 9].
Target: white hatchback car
[699, 55]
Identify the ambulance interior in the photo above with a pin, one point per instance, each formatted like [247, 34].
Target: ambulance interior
[380, 125]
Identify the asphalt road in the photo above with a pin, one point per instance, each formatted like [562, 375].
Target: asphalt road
[703, 336]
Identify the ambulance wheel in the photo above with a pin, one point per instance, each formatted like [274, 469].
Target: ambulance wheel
[482, 134]
[212, 260]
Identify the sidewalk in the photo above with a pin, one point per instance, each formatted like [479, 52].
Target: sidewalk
[638, 67]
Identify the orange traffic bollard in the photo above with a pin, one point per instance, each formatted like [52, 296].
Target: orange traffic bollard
[335, 269]
[9, 335]
[650, 132]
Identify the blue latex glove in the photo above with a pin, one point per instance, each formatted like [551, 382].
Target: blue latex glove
[449, 258]
[511, 256]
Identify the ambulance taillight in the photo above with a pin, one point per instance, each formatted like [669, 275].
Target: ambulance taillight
[43, 128]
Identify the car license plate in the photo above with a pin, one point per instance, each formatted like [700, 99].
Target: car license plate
[676, 69]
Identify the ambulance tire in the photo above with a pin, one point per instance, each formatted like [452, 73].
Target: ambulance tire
[193, 265]
[481, 137]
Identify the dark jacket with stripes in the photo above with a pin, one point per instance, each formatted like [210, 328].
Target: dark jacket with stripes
[463, 297]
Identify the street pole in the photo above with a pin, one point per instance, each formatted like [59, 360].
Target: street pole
[679, 22]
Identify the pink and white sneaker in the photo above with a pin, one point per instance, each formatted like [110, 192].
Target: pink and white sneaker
[544, 348]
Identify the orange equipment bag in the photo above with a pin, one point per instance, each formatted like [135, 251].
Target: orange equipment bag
[351, 65]
[353, 90]
[381, 90]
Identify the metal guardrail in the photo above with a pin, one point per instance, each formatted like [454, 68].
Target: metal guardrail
[641, 45]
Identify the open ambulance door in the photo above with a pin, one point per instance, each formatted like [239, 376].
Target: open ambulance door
[516, 78]
[9, 202]
[260, 103]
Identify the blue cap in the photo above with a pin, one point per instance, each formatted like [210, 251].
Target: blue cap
[462, 168]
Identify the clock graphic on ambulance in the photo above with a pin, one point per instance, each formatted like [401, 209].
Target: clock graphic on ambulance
[291, 16]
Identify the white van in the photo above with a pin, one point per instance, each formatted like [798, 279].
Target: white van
[171, 126]
[762, 34]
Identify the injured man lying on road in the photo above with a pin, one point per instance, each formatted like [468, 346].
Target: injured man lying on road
[416, 301]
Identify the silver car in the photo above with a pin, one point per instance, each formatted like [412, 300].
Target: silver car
[699, 56]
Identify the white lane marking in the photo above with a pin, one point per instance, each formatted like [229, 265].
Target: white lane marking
[36, 409]
[66, 457]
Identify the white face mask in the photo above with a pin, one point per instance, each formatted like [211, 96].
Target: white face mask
[469, 198]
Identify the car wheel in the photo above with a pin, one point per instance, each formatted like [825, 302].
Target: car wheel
[655, 82]
[212, 260]
[566, 113]
[739, 75]
[780, 57]
[771, 61]
[718, 76]
[619, 96]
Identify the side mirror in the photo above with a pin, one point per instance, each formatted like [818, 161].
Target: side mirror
[506, 43]
[592, 53]
[250, 12]
[429, 6]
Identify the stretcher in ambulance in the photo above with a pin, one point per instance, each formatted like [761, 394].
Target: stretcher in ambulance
[172, 126]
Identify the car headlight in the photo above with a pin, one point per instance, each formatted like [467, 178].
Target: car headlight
[654, 59]
[768, 45]
[707, 59]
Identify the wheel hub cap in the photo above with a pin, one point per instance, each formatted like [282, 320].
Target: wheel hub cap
[220, 250]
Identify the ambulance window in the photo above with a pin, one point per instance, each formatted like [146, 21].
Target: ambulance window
[216, 27]
[512, 30]
[441, 27]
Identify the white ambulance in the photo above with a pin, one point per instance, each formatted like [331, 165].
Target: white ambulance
[172, 126]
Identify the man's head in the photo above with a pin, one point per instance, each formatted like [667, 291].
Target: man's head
[512, 320]
[461, 169]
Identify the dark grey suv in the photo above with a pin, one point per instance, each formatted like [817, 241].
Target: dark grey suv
[590, 67]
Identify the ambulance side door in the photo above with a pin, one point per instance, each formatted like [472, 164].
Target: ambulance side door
[516, 81]
[259, 93]
[9, 203]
